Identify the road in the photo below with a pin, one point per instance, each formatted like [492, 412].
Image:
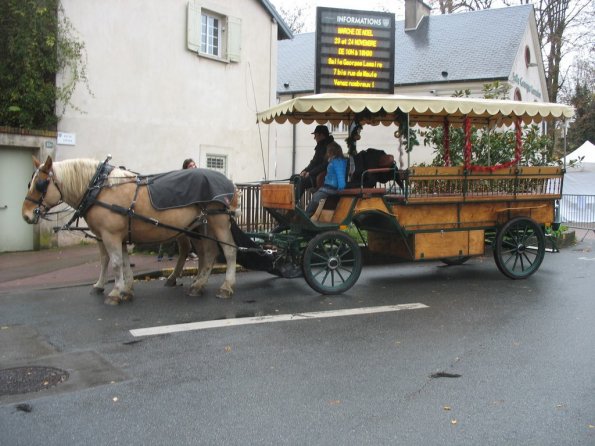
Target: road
[488, 361]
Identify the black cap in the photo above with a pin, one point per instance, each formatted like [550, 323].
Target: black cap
[321, 129]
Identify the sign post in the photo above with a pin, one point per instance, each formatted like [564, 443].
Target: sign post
[355, 51]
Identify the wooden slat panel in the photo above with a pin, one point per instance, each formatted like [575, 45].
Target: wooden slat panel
[437, 245]
[278, 196]
[342, 209]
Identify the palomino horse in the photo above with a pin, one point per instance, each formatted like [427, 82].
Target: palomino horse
[121, 211]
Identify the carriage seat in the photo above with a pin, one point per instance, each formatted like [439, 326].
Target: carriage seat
[364, 192]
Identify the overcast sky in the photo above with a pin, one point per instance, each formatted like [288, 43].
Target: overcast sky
[394, 6]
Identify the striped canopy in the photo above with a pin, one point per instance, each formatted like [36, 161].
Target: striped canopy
[388, 109]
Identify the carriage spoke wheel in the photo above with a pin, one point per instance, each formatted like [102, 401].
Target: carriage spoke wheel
[332, 262]
[519, 248]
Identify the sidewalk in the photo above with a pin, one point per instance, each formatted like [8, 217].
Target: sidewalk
[70, 266]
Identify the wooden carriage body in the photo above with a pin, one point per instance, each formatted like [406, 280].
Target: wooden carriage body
[424, 213]
[441, 213]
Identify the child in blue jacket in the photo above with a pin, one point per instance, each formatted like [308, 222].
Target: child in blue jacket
[334, 181]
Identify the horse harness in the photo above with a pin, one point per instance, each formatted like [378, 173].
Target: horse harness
[99, 181]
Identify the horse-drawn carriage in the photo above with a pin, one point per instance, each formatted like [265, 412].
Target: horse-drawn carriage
[444, 213]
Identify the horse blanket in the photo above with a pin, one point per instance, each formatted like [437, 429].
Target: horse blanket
[181, 188]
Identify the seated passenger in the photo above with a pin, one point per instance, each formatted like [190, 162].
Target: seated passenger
[334, 181]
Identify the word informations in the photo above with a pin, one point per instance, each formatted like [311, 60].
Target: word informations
[355, 51]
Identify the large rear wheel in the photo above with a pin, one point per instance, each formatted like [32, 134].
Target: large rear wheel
[519, 248]
[332, 262]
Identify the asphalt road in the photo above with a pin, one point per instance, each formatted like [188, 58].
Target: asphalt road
[490, 361]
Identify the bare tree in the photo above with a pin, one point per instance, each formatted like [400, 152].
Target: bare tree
[451, 6]
[294, 17]
[562, 27]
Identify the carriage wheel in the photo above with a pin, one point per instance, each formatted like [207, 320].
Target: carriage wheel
[519, 248]
[332, 262]
[452, 261]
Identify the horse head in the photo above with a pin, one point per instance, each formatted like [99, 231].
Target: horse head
[43, 193]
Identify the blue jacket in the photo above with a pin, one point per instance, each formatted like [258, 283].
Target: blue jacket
[335, 173]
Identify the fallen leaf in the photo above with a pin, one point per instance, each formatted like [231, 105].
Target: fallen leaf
[446, 407]
[115, 399]
[453, 421]
[227, 348]
[591, 426]
[334, 402]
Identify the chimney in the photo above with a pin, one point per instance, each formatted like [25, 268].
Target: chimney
[415, 11]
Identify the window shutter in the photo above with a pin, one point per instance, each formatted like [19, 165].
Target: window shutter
[193, 26]
[234, 38]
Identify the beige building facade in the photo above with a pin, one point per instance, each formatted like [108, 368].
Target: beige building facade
[174, 80]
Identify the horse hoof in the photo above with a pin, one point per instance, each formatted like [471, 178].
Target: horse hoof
[194, 292]
[112, 300]
[224, 294]
[97, 291]
[170, 282]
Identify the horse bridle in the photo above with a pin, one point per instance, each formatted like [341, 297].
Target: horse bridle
[41, 186]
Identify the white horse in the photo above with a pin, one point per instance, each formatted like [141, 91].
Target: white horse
[122, 212]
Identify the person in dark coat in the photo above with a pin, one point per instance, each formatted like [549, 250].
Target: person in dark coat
[318, 163]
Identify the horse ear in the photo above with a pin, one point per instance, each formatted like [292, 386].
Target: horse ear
[48, 163]
[36, 162]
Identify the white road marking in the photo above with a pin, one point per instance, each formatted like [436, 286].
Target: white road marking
[586, 258]
[164, 329]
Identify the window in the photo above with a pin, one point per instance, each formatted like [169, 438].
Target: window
[218, 163]
[517, 95]
[527, 56]
[213, 34]
[210, 34]
[339, 128]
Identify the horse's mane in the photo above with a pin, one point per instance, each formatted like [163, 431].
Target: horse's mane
[74, 176]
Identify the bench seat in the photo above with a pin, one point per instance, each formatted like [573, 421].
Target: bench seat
[369, 191]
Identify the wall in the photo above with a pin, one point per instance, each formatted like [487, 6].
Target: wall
[154, 102]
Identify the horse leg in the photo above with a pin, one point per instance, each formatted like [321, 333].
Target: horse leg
[114, 248]
[99, 286]
[207, 253]
[127, 292]
[183, 249]
[221, 227]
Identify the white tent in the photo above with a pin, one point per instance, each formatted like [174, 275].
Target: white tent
[578, 195]
[587, 150]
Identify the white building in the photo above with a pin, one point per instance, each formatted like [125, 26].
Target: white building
[434, 55]
[174, 80]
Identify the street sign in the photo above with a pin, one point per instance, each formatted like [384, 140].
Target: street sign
[355, 51]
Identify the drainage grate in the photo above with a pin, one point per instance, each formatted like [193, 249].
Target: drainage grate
[30, 379]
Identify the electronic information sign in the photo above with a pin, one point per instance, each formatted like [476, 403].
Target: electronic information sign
[355, 51]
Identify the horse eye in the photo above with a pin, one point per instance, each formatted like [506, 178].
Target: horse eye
[42, 185]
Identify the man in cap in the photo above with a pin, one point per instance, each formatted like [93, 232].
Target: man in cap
[319, 162]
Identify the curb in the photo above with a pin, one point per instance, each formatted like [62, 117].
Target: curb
[186, 271]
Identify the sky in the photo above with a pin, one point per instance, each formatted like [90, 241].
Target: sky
[394, 6]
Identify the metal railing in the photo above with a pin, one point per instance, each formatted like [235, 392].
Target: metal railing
[253, 217]
[578, 211]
